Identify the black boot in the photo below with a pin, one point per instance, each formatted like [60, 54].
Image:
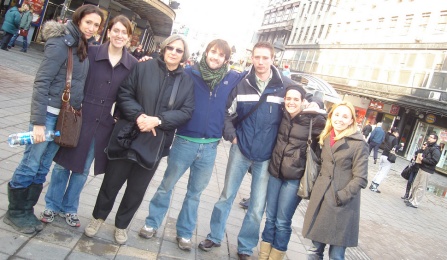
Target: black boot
[31, 200]
[406, 195]
[17, 215]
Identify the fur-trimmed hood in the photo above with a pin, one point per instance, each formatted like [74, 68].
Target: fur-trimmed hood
[69, 31]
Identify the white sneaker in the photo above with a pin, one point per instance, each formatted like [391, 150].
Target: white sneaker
[120, 236]
[93, 227]
[147, 232]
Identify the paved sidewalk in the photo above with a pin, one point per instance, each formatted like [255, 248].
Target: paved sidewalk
[388, 229]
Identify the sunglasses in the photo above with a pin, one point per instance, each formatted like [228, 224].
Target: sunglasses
[170, 48]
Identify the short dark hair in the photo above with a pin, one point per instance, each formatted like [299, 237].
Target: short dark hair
[299, 88]
[435, 136]
[266, 45]
[124, 21]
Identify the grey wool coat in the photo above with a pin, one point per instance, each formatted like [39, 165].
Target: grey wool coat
[333, 213]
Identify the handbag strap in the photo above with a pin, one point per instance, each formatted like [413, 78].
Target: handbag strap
[309, 139]
[174, 92]
[261, 100]
[66, 94]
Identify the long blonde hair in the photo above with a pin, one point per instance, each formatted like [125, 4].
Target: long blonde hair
[351, 129]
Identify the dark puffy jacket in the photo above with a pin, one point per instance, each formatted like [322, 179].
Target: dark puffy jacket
[390, 142]
[139, 93]
[50, 79]
[12, 20]
[256, 135]
[289, 155]
[431, 156]
[208, 118]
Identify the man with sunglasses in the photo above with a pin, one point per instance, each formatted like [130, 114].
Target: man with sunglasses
[195, 144]
[427, 163]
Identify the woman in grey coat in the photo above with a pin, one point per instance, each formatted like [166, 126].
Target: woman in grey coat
[27, 181]
[333, 213]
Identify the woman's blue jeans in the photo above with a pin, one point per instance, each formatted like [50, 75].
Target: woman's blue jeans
[317, 252]
[65, 188]
[37, 159]
[282, 201]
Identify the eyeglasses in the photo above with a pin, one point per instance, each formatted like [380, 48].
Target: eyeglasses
[170, 48]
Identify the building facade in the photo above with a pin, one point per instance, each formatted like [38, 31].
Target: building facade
[388, 57]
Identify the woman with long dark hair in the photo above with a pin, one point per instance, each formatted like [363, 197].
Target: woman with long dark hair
[27, 181]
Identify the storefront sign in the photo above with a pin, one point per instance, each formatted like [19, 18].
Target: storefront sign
[443, 136]
[376, 105]
[394, 110]
[38, 7]
[430, 118]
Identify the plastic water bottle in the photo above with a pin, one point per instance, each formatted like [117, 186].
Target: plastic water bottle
[27, 138]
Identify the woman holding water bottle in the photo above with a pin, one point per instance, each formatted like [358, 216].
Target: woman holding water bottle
[27, 181]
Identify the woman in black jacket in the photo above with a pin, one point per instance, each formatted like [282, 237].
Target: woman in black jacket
[27, 181]
[149, 85]
[391, 144]
[286, 168]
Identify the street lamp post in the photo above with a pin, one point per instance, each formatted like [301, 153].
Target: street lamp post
[279, 47]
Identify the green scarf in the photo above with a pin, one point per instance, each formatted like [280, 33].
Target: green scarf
[212, 77]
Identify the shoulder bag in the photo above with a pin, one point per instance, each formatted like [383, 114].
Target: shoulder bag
[406, 172]
[69, 121]
[313, 166]
[23, 32]
[127, 142]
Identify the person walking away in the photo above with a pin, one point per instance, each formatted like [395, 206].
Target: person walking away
[286, 168]
[147, 83]
[391, 145]
[376, 138]
[195, 143]
[367, 129]
[10, 26]
[27, 181]
[25, 24]
[413, 172]
[333, 213]
[109, 66]
[249, 149]
[427, 160]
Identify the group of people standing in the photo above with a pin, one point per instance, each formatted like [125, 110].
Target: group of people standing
[16, 18]
[266, 116]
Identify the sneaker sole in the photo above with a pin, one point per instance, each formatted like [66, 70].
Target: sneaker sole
[186, 248]
[209, 248]
[146, 236]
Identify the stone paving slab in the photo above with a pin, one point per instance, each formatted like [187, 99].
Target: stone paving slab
[388, 229]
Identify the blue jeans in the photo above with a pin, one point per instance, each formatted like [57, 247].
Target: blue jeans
[24, 41]
[317, 251]
[374, 146]
[282, 200]
[37, 159]
[183, 155]
[237, 167]
[65, 188]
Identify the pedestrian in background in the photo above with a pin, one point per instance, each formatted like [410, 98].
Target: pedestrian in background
[138, 53]
[11, 25]
[333, 212]
[109, 66]
[391, 145]
[195, 144]
[427, 160]
[249, 149]
[27, 181]
[375, 139]
[137, 100]
[413, 171]
[25, 24]
[367, 129]
[286, 168]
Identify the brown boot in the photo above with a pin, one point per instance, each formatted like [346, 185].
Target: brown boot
[275, 254]
[264, 250]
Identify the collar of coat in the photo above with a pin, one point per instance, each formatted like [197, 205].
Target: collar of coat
[103, 54]
[276, 77]
[162, 65]
[343, 143]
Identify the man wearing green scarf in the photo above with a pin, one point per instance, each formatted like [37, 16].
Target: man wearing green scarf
[195, 144]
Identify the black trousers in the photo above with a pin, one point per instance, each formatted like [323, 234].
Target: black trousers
[5, 40]
[118, 172]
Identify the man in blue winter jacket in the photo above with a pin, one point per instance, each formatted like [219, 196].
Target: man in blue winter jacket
[375, 139]
[195, 144]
